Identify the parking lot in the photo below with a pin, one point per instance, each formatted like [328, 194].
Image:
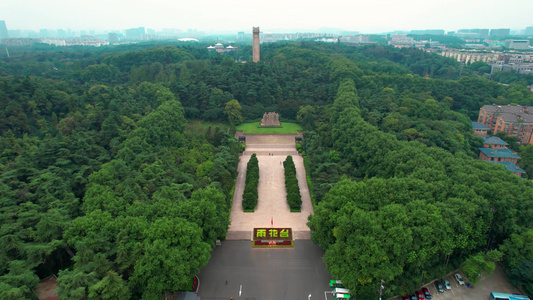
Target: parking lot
[496, 282]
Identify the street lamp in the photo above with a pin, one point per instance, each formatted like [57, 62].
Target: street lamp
[309, 297]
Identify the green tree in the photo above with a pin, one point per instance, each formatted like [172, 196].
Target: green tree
[306, 117]
[233, 111]
[112, 286]
[173, 253]
[480, 263]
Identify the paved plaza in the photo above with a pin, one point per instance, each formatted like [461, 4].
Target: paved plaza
[271, 151]
[264, 273]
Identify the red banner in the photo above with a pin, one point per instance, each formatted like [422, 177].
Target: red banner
[269, 244]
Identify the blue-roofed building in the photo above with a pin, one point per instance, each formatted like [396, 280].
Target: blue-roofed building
[498, 155]
[513, 168]
[504, 157]
[480, 129]
[494, 142]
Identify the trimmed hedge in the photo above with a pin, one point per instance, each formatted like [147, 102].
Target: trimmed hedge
[250, 195]
[294, 198]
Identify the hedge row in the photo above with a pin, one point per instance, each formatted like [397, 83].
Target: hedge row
[249, 196]
[291, 184]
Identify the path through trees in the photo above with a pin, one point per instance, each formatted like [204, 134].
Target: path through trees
[271, 151]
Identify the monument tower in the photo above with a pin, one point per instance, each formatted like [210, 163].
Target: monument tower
[256, 44]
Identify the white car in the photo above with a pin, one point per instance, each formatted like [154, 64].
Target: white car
[459, 279]
[447, 284]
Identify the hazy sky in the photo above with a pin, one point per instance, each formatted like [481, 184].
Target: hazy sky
[367, 16]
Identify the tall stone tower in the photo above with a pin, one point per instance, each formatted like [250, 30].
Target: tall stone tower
[256, 44]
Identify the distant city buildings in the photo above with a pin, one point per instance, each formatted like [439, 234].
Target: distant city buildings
[401, 40]
[501, 32]
[135, 33]
[472, 33]
[113, 38]
[517, 44]
[517, 63]
[428, 32]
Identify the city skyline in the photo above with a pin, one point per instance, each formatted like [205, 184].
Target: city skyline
[238, 15]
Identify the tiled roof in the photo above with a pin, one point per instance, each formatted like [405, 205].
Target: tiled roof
[494, 140]
[508, 108]
[511, 167]
[499, 153]
[479, 126]
[517, 117]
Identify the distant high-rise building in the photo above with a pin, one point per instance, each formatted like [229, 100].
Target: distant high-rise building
[44, 33]
[428, 31]
[501, 32]
[529, 31]
[483, 33]
[135, 33]
[61, 33]
[112, 37]
[255, 48]
[3, 30]
[14, 33]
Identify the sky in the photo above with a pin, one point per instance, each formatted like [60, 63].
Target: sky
[367, 16]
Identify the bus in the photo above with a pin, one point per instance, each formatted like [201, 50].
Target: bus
[335, 283]
[505, 296]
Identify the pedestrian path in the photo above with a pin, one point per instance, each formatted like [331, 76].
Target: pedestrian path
[272, 205]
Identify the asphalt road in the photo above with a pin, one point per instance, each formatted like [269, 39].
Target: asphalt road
[264, 273]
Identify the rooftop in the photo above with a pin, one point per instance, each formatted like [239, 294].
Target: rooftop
[506, 153]
[511, 167]
[494, 140]
[479, 126]
[517, 117]
[508, 108]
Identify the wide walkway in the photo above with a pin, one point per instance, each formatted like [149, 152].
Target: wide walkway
[271, 151]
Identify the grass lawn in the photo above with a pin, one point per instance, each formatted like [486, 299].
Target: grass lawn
[290, 128]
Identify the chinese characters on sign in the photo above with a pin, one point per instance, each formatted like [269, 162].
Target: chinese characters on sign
[272, 237]
[272, 234]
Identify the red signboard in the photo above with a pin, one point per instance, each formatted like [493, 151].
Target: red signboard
[272, 237]
[277, 234]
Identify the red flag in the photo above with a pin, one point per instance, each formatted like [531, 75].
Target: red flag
[272, 221]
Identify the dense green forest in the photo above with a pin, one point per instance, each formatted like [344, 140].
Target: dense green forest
[106, 183]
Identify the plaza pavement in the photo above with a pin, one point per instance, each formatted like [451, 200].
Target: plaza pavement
[264, 273]
[271, 151]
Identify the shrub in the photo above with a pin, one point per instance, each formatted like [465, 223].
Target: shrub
[250, 195]
[294, 198]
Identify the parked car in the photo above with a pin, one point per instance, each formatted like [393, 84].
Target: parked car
[413, 297]
[426, 292]
[406, 298]
[420, 295]
[459, 279]
[439, 286]
[447, 284]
